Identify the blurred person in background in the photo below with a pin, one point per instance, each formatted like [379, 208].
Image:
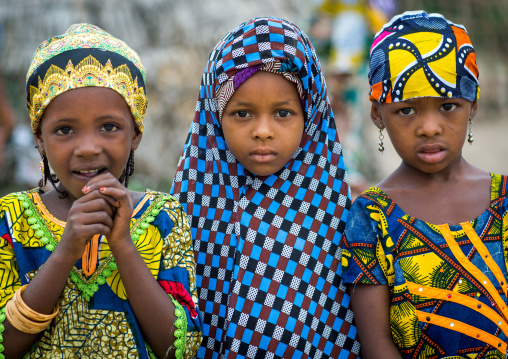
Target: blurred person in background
[341, 30]
[7, 122]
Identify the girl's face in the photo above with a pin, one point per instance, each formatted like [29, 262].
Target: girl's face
[427, 132]
[263, 123]
[84, 132]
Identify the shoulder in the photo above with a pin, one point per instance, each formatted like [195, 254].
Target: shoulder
[499, 186]
[16, 199]
[164, 205]
[371, 197]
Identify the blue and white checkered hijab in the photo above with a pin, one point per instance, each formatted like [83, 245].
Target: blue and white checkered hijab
[267, 251]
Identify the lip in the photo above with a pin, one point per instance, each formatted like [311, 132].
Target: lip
[432, 153]
[263, 155]
[85, 173]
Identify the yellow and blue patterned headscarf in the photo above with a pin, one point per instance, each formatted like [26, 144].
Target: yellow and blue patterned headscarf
[85, 55]
[418, 55]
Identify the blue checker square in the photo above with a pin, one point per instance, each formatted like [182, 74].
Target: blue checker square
[274, 206]
[343, 354]
[257, 198]
[265, 282]
[291, 267]
[256, 252]
[283, 290]
[247, 279]
[298, 299]
[274, 23]
[247, 335]
[277, 38]
[274, 315]
[263, 228]
[328, 348]
[251, 40]
[307, 274]
[300, 194]
[281, 348]
[253, 57]
[291, 323]
[299, 243]
[290, 214]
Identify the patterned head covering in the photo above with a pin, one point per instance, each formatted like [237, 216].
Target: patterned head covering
[228, 88]
[417, 55]
[85, 55]
[268, 263]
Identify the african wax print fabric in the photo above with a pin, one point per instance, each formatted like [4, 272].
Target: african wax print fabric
[266, 248]
[85, 55]
[418, 54]
[447, 282]
[104, 326]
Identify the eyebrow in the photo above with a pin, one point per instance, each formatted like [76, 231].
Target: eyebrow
[280, 103]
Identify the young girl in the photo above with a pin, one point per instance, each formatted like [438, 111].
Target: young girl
[428, 245]
[262, 179]
[89, 268]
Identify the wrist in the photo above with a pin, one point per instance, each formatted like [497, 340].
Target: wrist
[122, 245]
[63, 258]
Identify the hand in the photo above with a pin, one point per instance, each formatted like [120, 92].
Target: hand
[89, 215]
[122, 203]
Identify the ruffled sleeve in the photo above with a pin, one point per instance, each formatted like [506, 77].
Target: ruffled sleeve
[368, 250]
[177, 273]
[9, 273]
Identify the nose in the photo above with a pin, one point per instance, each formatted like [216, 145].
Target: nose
[430, 125]
[87, 145]
[263, 128]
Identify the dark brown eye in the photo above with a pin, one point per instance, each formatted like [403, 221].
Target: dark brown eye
[283, 113]
[448, 106]
[407, 111]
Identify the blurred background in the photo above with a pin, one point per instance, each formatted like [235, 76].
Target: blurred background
[174, 38]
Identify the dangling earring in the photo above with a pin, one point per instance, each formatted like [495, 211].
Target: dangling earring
[381, 147]
[43, 166]
[470, 137]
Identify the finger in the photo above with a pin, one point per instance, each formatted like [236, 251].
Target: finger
[95, 202]
[122, 195]
[87, 219]
[105, 179]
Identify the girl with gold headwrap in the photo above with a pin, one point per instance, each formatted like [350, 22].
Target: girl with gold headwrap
[428, 245]
[89, 268]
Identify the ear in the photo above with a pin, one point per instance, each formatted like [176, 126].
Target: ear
[375, 115]
[136, 139]
[474, 109]
[39, 143]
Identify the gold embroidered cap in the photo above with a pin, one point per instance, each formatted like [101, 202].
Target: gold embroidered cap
[83, 56]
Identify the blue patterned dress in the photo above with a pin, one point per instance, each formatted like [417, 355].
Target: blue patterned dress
[448, 283]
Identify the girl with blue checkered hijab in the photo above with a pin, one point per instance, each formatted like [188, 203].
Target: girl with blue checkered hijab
[263, 182]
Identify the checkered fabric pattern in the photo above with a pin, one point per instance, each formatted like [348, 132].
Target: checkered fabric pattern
[267, 255]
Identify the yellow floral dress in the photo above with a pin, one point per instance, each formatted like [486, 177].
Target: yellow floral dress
[95, 319]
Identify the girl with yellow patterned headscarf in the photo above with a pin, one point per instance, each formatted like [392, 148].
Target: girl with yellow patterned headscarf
[427, 246]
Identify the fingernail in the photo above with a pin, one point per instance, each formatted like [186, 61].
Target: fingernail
[103, 189]
[85, 189]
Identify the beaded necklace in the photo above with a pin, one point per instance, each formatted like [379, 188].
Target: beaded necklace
[88, 286]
